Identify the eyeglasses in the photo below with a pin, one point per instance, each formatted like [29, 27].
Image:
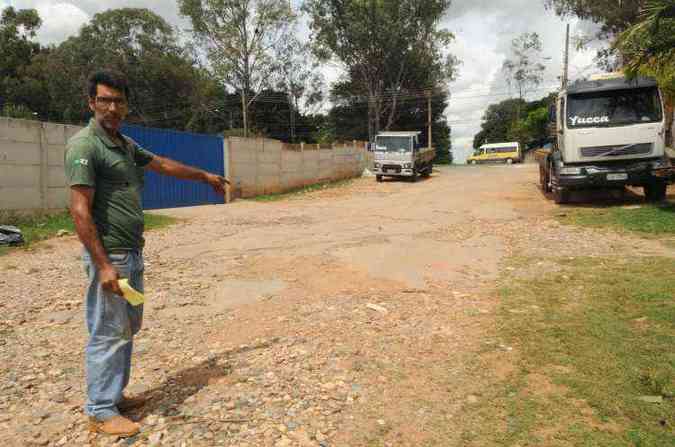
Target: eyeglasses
[107, 101]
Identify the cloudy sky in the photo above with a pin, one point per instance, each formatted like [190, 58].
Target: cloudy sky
[483, 28]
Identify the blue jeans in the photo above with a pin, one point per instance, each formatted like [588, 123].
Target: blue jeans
[112, 323]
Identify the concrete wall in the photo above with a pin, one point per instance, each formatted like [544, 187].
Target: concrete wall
[31, 164]
[263, 166]
[32, 175]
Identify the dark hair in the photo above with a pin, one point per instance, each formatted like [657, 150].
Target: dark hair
[109, 78]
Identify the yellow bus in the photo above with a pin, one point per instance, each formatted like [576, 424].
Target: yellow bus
[497, 153]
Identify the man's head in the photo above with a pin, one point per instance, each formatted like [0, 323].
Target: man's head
[108, 98]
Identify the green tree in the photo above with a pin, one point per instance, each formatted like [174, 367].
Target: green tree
[497, 120]
[141, 44]
[613, 16]
[241, 39]
[524, 69]
[649, 45]
[648, 48]
[300, 79]
[17, 48]
[388, 49]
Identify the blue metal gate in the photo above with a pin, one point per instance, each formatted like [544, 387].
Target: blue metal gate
[202, 151]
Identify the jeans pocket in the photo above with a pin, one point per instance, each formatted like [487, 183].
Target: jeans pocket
[119, 258]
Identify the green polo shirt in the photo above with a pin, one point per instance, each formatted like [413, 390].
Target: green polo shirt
[116, 173]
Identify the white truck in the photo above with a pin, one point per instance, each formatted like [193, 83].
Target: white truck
[609, 133]
[398, 154]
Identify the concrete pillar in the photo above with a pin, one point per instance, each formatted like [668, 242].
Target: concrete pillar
[44, 165]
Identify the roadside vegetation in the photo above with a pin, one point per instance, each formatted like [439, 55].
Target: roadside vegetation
[41, 226]
[647, 220]
[302, 191]
[594, 363]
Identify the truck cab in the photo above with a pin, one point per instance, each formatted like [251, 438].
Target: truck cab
[399, 154]
[609, 132]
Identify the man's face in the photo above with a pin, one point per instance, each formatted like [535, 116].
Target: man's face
[110, 107]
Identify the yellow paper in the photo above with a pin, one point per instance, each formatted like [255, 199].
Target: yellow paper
[132, 295]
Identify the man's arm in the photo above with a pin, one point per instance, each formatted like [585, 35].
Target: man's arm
[172, 168]
[81, 199]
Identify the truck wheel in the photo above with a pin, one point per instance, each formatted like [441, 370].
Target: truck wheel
[378, 178]
[561, 195]
[543, 181]
[509, 161]
[655, 191]
[473, 162]
[413, 178]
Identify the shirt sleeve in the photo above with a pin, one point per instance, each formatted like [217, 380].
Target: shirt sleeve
[80, 164]
[141, 156]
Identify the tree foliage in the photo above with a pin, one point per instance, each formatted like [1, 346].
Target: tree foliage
[515, 120]
[137, 42]
[388, 48]
[17, 48]
[649, 45]
[241, 38]
[300, 79]
[613, 16]
[524, 69]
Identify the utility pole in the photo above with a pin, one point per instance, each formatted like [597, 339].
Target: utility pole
[566, 64]
[429, 119]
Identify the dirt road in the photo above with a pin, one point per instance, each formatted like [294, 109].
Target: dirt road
[345, 317]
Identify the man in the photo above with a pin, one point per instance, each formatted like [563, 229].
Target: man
[105, 172]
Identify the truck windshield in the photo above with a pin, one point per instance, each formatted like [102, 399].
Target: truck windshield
[392, 144]
[614, 108]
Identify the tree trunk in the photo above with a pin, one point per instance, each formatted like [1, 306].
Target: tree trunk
[243, 112]
[291, 118]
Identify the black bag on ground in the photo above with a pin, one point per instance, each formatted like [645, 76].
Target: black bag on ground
[10, 235]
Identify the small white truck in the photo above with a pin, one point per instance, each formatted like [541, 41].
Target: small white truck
[609, 133]
[398, 154]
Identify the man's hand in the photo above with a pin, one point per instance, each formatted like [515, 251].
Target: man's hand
[217, 182]
[108, 277]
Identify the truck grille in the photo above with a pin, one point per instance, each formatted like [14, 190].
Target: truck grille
[617, 150]
[396, 168]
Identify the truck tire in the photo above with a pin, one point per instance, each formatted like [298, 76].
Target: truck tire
[473, 162]
[561, 195]
[378, 178]
[655, 191]
[509, 161]
[543, 179]
[413, 177]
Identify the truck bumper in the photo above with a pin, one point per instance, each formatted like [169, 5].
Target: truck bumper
[599, 176]
[393, 172]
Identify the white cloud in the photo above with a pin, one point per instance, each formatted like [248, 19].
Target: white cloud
[60, 20]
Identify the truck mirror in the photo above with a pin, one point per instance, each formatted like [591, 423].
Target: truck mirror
[551, 113]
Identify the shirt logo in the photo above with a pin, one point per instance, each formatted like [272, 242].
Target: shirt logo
[82, 161]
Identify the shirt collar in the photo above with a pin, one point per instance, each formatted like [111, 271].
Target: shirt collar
[103, 135]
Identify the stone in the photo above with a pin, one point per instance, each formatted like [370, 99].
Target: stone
[377, 308]
[155, 438]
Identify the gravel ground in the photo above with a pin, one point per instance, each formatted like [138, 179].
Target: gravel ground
[348, 316]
